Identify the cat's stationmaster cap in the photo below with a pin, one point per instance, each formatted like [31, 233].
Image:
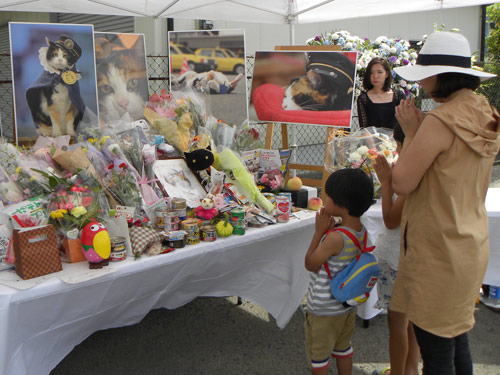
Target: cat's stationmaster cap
[69, 45]
[332, 64]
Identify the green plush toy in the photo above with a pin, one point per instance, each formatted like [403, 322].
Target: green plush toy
[228, 161]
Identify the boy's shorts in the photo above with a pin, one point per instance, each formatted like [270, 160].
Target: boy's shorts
[328, 335]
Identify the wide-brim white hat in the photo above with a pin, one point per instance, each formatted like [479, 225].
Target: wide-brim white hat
[442, 52]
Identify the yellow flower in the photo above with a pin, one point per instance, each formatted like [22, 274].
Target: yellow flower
[33, 178]
[92, 140]
[103, 139]
[58, 214]
[18, 170]
[78, 211]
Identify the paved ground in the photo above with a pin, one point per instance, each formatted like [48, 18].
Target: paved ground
[215, 336]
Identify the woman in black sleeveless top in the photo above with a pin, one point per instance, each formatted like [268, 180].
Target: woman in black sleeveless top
[376, 105]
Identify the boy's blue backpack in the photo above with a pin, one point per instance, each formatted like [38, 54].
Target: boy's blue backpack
[353, 284]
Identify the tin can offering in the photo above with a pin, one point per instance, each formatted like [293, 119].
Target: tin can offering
[193, 231]
[176, 239]
[282, 209]
[159, 215]
[118, 249]
[208, 233]
[171, 221]
[238, 221]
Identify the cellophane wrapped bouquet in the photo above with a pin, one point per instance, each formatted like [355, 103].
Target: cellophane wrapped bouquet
[359, 150]
[76, 199]
[176, 116]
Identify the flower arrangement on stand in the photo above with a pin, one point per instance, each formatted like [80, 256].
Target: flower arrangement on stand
[396, 51]
[360, 150]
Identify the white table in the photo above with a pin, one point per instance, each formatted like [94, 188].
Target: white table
[373, 221]
[41, 325]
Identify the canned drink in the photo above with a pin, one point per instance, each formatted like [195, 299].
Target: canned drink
[171, 221]
[238, 221]
[282, 209]
[159, 215]
[118, 249]
[208, 233]
[182, 214]
[289, 195]
[193, 231]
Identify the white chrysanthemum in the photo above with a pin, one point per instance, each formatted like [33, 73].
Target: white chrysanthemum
[348, 45]
[393, 50]
[380, 39]
[413, 55]
[354, 157]
[362, 150]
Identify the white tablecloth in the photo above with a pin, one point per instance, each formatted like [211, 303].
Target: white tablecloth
[373, 221]
[39, 326]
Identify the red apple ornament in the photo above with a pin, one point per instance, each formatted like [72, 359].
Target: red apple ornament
[96, 244]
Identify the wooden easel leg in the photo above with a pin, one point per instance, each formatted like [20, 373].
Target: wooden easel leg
[326, 174]
[269, 135]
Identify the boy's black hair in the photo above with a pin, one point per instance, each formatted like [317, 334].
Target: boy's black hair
[448, 83]
[352, 189]
[398, 134]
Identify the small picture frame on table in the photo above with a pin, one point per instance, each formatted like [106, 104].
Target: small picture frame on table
[178, 181]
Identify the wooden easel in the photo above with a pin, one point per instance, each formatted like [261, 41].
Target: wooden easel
[284, 129]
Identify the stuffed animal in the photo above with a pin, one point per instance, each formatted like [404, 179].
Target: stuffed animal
[206, 210]
[228, 162]
[96, 244]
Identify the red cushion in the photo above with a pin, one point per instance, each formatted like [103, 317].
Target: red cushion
[268, 98]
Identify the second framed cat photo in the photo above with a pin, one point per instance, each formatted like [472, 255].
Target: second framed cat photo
[54, 80]
[304, 87]
[122, 79]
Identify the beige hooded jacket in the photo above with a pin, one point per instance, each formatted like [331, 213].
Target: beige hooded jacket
[444, 227]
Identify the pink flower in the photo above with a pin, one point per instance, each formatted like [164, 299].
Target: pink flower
[165, 112]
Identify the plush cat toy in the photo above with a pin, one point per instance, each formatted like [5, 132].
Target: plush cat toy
[200, 161]
[54, 99]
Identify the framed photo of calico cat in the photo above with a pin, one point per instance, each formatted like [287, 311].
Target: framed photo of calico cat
[122, 79]
[304, 87]
[54, 81]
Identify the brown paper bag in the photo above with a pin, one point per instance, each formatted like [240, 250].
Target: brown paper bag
[36, 251]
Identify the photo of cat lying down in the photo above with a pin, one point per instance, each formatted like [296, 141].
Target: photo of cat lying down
[314, 87]
[211, 82]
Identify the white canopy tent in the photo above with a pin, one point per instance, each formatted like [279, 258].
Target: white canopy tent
[269, 11]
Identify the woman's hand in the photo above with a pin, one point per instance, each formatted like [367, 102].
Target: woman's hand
[383, 170]
[409, 116]
[323, 221]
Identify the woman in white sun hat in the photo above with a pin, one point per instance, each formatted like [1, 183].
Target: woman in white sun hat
[444, 170]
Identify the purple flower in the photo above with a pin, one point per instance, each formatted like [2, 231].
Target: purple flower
[407, 92]
[405, 62]
[393, 59]
[317, 37]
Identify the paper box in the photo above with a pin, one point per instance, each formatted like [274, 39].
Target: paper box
[36, 251]
[73, 250]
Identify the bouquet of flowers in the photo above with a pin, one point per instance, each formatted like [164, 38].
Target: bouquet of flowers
[176, 117]
[396, 51]
[248, 138]
[9, 191]
[73, 204]
[359, 150]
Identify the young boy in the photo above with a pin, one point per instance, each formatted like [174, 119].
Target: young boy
[329, 325]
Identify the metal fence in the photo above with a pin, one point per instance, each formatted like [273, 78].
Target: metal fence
[310, 139]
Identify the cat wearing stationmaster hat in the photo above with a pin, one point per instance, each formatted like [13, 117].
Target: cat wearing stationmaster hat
[327, 85]
[54, 99]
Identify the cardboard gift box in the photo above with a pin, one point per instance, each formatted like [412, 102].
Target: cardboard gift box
[36, 251]
[72, 248]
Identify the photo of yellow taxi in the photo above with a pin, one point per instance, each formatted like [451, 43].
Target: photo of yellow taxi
[195, 63]
[227, 61]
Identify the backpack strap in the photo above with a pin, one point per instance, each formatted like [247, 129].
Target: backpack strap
[353, 238]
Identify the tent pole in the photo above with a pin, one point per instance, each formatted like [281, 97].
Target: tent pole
[292, 32]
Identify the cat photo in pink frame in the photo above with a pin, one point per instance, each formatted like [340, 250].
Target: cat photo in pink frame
[304, 87]
[53, 74]
[122, 79]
